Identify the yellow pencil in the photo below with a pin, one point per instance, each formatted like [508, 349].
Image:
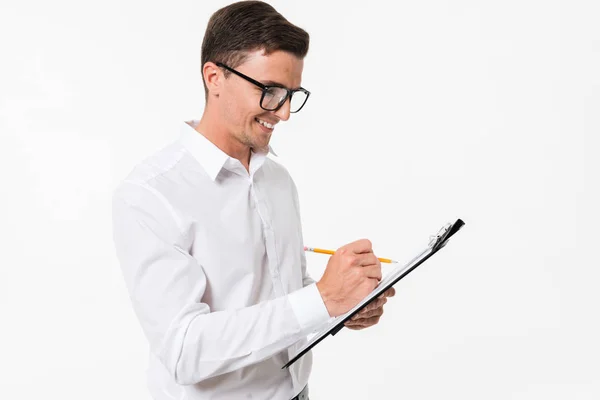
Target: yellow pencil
[322, 251]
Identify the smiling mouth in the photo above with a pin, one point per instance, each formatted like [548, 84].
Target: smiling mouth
[265, 123]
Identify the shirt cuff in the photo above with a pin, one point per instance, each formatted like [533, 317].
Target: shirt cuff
[309, 307]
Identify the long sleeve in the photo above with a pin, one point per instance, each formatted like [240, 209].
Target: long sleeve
[166, 285]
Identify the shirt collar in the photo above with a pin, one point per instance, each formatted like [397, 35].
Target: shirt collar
[212, 158]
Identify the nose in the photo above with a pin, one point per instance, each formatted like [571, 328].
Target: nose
[284, 111]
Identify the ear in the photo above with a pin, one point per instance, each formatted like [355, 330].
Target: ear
[213, 77]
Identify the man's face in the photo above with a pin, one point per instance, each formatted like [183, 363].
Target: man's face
[240, 99]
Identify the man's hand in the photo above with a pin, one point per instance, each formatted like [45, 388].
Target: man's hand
[351, 274]
[370, 315]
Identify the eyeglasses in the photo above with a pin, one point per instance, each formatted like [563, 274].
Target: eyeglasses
[273, 97]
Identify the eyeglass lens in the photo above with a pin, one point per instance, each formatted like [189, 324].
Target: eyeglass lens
[275, 96]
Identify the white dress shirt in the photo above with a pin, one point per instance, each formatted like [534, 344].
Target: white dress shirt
[213, 259]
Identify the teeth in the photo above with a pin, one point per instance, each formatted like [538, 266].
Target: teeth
[268, 125]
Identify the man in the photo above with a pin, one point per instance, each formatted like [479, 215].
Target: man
[208, 233]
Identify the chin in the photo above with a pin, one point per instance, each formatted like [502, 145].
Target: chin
[261, 139]
[261, 147]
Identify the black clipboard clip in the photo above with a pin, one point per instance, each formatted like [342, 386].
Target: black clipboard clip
[440, 239]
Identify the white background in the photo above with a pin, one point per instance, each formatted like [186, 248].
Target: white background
[421, 113]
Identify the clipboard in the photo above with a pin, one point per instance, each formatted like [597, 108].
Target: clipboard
[436, 242]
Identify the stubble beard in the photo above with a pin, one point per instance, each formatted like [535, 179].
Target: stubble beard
[249, 141]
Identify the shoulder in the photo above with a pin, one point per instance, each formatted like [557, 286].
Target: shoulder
[152, 173]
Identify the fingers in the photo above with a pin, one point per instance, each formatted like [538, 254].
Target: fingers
[360, 253]
[372, 271]
[376, 304]
[358, 260]
[367, 259]
[372, 314]
[361, 246]
[362, 323]
[370, 310]
[391, 292]
[361, 260]
[369, 264]
[369, 314]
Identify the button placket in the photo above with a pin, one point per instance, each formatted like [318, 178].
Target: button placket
[269, 235]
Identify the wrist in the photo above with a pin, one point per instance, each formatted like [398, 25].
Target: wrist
[325, 297]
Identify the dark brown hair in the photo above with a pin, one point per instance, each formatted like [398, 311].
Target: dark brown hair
[246, 26]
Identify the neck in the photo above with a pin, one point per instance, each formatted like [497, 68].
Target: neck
[211, 128]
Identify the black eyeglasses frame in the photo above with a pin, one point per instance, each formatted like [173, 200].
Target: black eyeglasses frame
[265, 88]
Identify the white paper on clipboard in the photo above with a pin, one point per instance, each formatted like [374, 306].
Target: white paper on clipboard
[436, 242]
